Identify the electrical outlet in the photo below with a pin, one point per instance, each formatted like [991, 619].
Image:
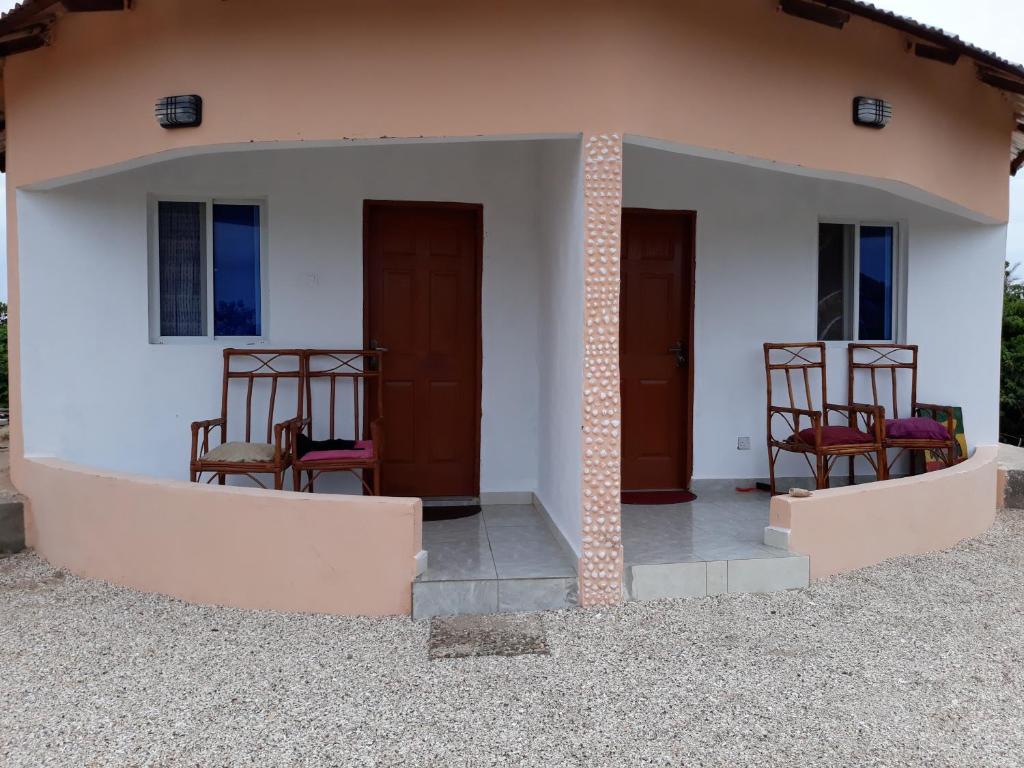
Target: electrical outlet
[743, 443]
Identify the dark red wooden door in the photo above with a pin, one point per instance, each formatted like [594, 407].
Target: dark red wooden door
[423, 306]
[655, 336]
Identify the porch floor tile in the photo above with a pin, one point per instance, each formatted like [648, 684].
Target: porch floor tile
[712, 545]
[522, 552]
[720, 524]
[511, 541]
[511, 547]
[508, 558]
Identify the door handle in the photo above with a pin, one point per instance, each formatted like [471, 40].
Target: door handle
[376, 347]
[679, 350]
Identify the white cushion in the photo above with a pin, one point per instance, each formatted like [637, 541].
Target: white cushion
[241, 452]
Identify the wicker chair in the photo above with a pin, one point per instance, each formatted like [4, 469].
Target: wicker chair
[911, 432]
[357, 373]
[802, 425]
[262, 372]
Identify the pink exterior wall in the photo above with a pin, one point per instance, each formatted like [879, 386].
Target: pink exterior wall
[843, 529]
[239, 547]
[738, 76]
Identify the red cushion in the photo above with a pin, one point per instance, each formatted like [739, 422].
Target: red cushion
[363, 451]
[834, 436]
[915, 428]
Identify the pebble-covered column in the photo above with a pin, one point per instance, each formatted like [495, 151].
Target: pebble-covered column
[601, 561]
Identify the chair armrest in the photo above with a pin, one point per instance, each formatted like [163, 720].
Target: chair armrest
[285, 433]
[865, 408]
[796, 413]
[933, 407]
[856, 408]
[203, 447]
[877, 413]
[197, 425]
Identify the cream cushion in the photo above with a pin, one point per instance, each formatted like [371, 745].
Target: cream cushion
[241, 452]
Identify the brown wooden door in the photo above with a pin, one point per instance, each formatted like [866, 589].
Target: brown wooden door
[656, 319]
[422, 267]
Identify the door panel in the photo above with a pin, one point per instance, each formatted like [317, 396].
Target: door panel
[656, 317]
[422, 265]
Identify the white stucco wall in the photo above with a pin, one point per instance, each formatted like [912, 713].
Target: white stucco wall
[756, 281]
[560, 342]
[97, 392]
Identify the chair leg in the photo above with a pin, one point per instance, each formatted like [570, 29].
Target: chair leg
[312, 476]
[296, 479]
[278, 480]
[851, 478]
[193, 476]
[376, 480]
[882, 473]
[771, 472]
[819, 472]
[221, 478]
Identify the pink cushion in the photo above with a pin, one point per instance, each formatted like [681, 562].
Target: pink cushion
[834, 436]
[915, 428]
[362, 451]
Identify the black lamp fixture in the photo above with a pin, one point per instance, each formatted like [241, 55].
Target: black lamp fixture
[179, 111]
[871, 112]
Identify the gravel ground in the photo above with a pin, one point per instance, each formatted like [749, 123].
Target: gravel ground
[917, 662]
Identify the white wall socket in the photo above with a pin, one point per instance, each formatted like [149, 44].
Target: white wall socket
[743, 443]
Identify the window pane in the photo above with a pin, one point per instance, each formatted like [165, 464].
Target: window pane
[236, 270]
[180, 248]
[876, 278]
[835, 257]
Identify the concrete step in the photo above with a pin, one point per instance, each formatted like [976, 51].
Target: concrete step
[12, 524]
[458, 598]
[1010, 483]
[716, 577]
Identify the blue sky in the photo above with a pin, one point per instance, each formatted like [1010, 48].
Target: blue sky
[993, 24]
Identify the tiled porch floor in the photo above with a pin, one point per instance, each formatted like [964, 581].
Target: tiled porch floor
[507, 558]
[504, 541]
[708, 546]
[721, 524]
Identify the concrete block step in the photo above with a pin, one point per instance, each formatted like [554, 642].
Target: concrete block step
[716, 577]
[12, 525]
[457, 598]
[1010, 481]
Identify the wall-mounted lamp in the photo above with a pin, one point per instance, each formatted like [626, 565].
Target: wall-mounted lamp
[872, 113]
[179, 111]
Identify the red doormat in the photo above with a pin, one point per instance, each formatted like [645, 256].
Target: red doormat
[657, 497]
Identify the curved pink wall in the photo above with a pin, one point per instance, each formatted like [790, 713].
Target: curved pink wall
[842, 529]
[738, 76]
[239, 547]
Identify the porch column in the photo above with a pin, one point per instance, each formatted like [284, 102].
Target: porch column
[600, 567]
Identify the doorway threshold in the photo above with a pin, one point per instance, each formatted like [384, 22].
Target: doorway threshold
[450, 501]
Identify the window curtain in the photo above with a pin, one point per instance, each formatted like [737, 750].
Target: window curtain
[181, 268]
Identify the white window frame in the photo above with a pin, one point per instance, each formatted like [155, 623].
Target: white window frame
[899, 278]
[208, 317]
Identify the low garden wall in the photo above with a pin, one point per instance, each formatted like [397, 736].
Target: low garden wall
[842, 529]
[224, 545]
